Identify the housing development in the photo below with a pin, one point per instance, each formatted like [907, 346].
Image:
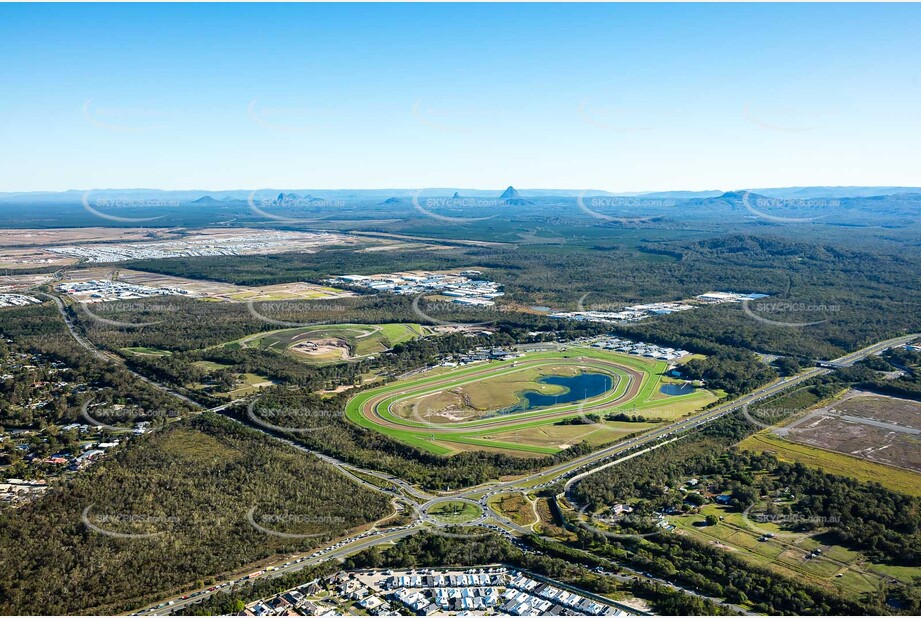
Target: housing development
[635, 313]
[456, 287]
[478, 591]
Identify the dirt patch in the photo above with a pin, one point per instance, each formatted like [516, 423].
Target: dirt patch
[879, 444]
[336, 349]
[880, 408]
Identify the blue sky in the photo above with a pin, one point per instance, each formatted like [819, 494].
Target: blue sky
[617, 97]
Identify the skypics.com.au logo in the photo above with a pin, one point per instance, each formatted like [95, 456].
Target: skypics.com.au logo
[455, 310]
[427, 205]
[128, 525]
[290, 419]
[774, 208]
[289, 309]
[119, 308]
[757, 308]
[105, 207]
[281, 523]
[592, 205]
[283, 206]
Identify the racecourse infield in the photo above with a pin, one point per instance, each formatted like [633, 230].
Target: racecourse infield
[634, 380]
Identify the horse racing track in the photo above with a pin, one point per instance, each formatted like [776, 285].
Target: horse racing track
[538, 404]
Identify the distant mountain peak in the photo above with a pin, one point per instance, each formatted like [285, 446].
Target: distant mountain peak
[206, 199]
[391, 200]
[511, 197]
[455, 196]
[289, 197]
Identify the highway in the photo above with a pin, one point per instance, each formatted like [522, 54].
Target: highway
[110, 358]
[573, 471]
[294, 563]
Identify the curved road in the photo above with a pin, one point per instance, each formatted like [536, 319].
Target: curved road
[573, 470]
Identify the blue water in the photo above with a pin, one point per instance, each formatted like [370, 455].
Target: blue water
[579, 387]
[677, 389]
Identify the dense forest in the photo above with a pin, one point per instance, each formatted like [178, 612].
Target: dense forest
[858, 296]
[190, 489]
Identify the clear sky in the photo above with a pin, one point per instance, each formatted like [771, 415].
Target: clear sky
[617, 97]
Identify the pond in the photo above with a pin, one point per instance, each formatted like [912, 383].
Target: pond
[578, 387]
[677, 389]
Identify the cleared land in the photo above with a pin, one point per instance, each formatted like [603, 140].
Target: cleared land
[77, 235]
[247, 383]
[333, 342]
[882, 408]
[847, 571]
[897, 479]
[532, 431]
[209, 290]
[874, 427]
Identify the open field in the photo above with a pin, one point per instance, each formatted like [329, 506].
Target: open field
[208, 290]
[247, 382]
[455, 512]
[874, 427]
[68, 236]
[33, 257]
[205, 242]
[333, 342]
[883, 408]
[395, 410]
[20, 249]
[59, 247]
[879, 444]
[846, 571]
[21, 283]
[896, 479]
[516, 507]
[145, 351]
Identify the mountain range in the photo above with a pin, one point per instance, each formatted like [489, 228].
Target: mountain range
[224, 196]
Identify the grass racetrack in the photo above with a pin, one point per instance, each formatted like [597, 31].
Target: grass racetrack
[393, 409]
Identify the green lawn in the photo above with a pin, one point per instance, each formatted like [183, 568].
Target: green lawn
[512, 374]
[455, 512]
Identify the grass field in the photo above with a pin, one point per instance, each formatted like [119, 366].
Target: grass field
[332, 342]
[897, 479]
[248, 382]
[849, 572]
[455, 512]
[516, 507]
[145, 351]
[402, 409]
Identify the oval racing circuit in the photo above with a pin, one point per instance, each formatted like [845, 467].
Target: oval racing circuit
[375, 408]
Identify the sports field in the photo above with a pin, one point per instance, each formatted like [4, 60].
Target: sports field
[448, 410]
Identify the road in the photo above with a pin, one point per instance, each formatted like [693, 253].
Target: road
[110, 358]
[293, 564]
[573, 470]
